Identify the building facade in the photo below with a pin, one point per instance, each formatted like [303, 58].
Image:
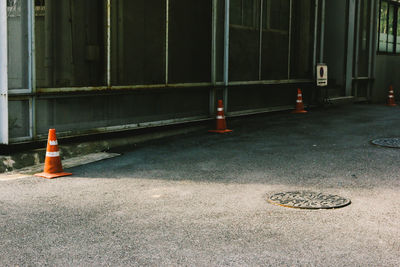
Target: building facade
[90, 66]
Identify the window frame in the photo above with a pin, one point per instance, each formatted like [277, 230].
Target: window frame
[396, 24]
[255, 20]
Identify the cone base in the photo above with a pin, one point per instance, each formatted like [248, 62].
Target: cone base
[220, 131]
[391, 105]
[299, 111]
[52, 175]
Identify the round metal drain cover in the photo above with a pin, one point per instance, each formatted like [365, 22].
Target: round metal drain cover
[387, 142]
[308, 200]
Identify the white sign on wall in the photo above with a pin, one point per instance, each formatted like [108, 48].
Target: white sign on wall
[322, 74]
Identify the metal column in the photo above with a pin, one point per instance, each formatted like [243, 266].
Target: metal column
[350, 47]
[213, 57]
[260, 41]
[166, 42]
[315, 37]
[374, 38]
[357, 39]
[290, 37]
[321, 51]
[3, 74]
[372, 46]
[108, 43]
[32, 64]
[31, 68]
[357, 47]
[226, 55]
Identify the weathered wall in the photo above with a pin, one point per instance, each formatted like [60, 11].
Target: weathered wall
[243, 98]
[70, 53]
[86, 114]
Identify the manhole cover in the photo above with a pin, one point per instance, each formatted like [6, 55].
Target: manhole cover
[387, 142]
[308, 200]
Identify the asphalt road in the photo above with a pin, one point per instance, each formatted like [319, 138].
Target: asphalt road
[200, 199]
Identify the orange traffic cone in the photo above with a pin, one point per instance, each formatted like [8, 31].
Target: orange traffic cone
[391, 101]
[221, 123]
[299, 103]
[52, 164]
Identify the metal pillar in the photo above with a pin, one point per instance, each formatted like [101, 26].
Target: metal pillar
[357, 39]
[374, 37]
[260, 41]
[109, 43]
[290, 37]
[315, 37]
[214, 12]
[372, 45]
[226, 55]
[371, 34]
[166, 41]
[32, 64]
[213, 57]
[321, 51]
[350, 47]
[357, 46]
[3, 74]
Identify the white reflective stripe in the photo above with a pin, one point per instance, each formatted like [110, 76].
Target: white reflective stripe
[299, 95]
[391, 91]
[220, 117]
[53, 143]
[53, 154]
[220, 109]
[299, 101]
[391, 96]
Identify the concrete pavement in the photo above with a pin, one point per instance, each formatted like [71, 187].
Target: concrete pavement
[200, 199]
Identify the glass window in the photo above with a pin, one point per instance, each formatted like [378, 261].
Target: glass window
[236, 12]
[275, 40]
[138, 41]
[363, 38]
[69, 43]
[391, 29]
[189, 43]
[276, 15]
[18, 118]
[17, 29]
[250, 62]
[244, 40]
[301, 65]
[249, 17]
[244, 13]
[383, 27]
[389, 19]
[398, 32]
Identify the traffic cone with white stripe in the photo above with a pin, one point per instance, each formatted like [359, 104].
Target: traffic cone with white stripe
[52, 164]
[299, 103]
[391, 101]
[221, 123]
